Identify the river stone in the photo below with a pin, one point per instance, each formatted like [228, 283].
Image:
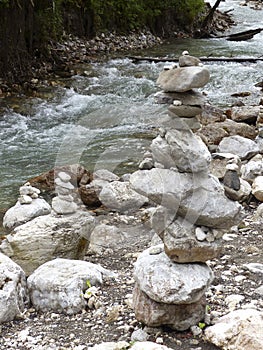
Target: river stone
[184, 111]
[239, 330]
[59, 285]
[181, 243]
[161, 152]
[120, 196]
[61, 206]
[22, 213]
[242, 194]
[188, 151]
[241, 146]
[252, 169]
[163, 186]
[167, 282]
[183, 79]
[48, 237]
[13, 290]
[105, 175]
[248, 114]
[188, 98]
[154, 314]
[186, 60]
[122, 345]
[208, 205]
[257, 188]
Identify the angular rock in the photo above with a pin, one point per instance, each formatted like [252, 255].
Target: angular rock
[239, 330]
[59, 285]
[183, 246]
[248, 114]
[105, 175]
[257, 188]
[252, 169]
[240, 195]
[22, 213]
[61, 206]
[188, 151]
[13, 290]
[161, 152]
[183, 79]
[120, 196]
[48, 237]
[178, 317]
[238, 145]
[167, 282]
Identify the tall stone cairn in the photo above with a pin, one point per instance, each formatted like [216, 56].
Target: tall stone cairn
[192, 213]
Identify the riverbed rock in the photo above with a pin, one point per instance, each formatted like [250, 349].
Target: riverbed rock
[183, 79]
[155, 314]
[120, 196]
[47, 237]
[13, 290]
[252, 168]
[122, 345]
[248, 114]
[22, 213]
[167, 282]
[198, 197]
[239, 195]
[239, 330]
[241, 146]
[257, 188]
[186, 243]
[186, 60]
[184, 111]
[59, 285]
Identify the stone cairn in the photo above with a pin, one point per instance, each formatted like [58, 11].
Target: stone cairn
[64, 203]
[192, 214]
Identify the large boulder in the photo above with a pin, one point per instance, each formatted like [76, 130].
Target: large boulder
[22, 213]
[59, 285]
[48, 237]
[13, 290]
[154, 314]
[198, 197]
[183, 79]
[167, 282]
[121, 197]
[239, 330]
[241, 146]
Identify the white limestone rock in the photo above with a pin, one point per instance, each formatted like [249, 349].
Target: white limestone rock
[257, 188]
[238, 330]
[48, 237]
[22, 213]
[61, 206]
[121, 197]
[183, 79]
[59, 285]
[13, 290]
[252, 169]
[242, 147]
[167, 282]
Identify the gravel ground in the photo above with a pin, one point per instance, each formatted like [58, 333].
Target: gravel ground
[233, 287]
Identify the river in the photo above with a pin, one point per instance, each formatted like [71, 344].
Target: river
[108, 116]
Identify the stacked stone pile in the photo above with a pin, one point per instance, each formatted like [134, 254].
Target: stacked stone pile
[64, 203]
[192, 214]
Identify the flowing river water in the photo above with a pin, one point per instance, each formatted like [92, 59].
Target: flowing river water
[108, 116]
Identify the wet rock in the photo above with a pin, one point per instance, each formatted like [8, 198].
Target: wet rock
[120, 196]
[59, 285]
[183, 79]
[240, 329]
[257, 188]
[156, 314]
[13, 290]
[48, 237]
[167, 282]
[241, 146]
[22, 213]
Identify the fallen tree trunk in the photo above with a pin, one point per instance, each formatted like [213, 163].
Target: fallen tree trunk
[205, 59]
[245, 35]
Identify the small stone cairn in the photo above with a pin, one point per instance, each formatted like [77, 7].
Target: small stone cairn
[193, 213]
[64, 203]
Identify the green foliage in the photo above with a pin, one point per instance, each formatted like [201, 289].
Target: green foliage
[4, 3]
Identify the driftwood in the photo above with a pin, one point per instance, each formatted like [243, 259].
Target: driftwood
[246, 35]
[205, 59]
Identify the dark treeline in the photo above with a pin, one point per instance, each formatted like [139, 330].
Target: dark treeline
[28, 27]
